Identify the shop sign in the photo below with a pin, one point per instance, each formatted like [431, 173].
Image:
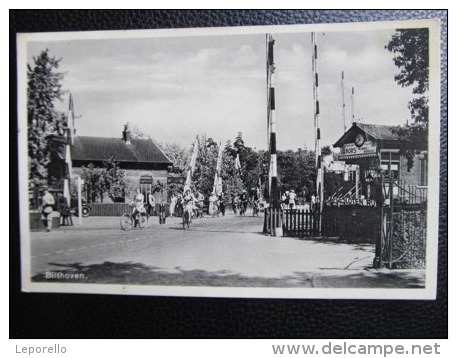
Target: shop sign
[350, 150]
[350, 202]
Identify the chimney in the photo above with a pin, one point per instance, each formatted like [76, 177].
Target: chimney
[126, 134]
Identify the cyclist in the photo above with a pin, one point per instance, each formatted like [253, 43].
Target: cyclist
[138, 205]
[188, 203]
[244, 200]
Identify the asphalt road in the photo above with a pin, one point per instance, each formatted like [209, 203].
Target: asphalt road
[227, 251]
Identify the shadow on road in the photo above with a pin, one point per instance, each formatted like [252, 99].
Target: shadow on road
[139, 274]
[370, 279]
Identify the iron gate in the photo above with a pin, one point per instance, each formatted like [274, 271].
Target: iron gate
[404, 225]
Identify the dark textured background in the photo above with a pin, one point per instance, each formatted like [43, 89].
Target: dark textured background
[103, 316]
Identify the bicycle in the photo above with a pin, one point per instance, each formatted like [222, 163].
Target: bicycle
[186, 219]
[129, 219]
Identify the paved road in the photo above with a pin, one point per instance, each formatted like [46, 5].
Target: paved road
[227, 251]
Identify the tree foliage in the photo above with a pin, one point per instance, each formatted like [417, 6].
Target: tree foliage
[410, 49]
[296, 169]
[44, 87]
[411, 55]
[178, 155]
[109, 180]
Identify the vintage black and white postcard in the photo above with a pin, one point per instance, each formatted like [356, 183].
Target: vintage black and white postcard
[278, 162]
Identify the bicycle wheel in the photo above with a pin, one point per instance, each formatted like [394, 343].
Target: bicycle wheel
[126, 222]
[142, 221]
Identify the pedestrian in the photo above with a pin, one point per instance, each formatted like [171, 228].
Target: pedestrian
[235, 203]
[173, 201]
[64, 210]
[284, 200]
[222, 204]
[212, 204]
[179, 205]
[292, 197]
[200, 203]
[244, 200]
[313, 203]
[47, 203]
[151, 204]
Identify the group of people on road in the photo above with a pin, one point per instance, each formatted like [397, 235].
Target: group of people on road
[187, 201]
[240, 201]
[138, 204]
[288, 199]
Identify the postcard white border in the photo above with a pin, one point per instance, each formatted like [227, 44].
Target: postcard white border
[428, 293]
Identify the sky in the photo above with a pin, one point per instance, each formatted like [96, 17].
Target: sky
[174, 88]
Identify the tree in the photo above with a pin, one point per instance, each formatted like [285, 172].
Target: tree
[411, 52]
[44, 87]
[93, 183]
[297, 171]
[178, 155]
[205, 167]
[109, 180]
[114, 179]
[326, 150]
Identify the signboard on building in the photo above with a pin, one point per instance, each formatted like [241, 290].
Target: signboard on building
[176, 180]
[350, 150]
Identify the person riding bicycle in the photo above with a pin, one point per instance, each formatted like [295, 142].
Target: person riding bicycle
[244, 199]
[188, 202]
[138, 205]
[254, 197]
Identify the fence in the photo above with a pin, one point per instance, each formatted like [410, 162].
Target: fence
[115, 209]
[353, 223]
[293, 222]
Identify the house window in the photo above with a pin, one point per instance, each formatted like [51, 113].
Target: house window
[145, 185]
[395, 165]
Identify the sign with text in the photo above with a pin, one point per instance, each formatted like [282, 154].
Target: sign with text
[350, 150]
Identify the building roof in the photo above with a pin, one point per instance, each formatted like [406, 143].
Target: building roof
[375, 131]
[103, 148]
[380, 132]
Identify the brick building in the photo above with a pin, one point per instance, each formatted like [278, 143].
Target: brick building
[143, 162]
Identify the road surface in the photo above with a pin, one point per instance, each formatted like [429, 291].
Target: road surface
[227, 251]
